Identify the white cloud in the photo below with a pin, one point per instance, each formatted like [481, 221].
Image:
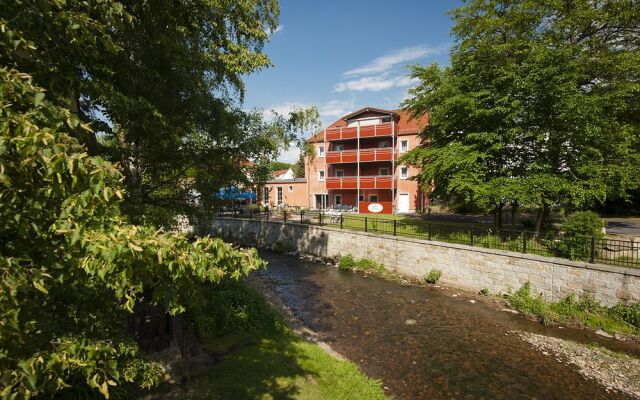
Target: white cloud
[374, 83]
[270, 32]
[329, 109]
[290, 156]
[389, 61]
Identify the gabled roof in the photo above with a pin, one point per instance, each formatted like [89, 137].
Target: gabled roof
[279, 172]
[368, 109]
[406, 124]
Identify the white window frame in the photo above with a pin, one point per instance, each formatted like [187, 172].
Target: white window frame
[335, 199]
[279, 195]
[266, 198]
[321, 151]
[406, 169]
[340, 170]
[383, 168]
[371, 200]
[406, 142]
[290, 188]
[321, 175]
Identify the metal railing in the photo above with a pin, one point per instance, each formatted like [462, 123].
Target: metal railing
[591, 249]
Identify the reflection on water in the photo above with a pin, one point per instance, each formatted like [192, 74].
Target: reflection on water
[451, 349]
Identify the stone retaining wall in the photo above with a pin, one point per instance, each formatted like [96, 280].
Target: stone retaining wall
[466, 267]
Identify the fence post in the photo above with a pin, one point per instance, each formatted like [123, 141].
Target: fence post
[365, 224]
[472, 237]
[284, 214]
[301, 216]
[320, 218]
[395, 227]
[593, 250]
[524, 241]
[268, 214]
[341, 219]
[429, 229]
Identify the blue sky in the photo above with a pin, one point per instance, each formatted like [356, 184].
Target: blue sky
[342, 55]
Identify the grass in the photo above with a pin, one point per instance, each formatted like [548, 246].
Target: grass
[349, 263]
[284, 367]
[587, 311]
[264, 358]
[433, 276]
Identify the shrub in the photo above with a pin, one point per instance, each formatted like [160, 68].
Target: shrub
[367, 264]
[433, 276]
[484, 291]
[575, 234]
[347, 263]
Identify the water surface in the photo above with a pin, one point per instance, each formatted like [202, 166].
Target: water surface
[422, 342]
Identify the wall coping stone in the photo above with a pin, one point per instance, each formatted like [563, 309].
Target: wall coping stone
[532, 257]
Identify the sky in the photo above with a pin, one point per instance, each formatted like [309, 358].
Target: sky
[344, 55]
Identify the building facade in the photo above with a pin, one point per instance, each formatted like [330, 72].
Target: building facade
[355, 166]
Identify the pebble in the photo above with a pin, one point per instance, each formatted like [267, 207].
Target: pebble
[410, 322]
[454, 295]
[510, 311]
[472, 301]
[603, 334]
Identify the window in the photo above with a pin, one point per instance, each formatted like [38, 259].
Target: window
[383, 145]
[361, 198]
[290, 188]
[265, 196]
[321, 151]
[321, 175]
[338, 199]
[339, 147]
[386, 119]
[404, 172]
[279, 195]
[373, 198]
[384, 171]
[339, 173]
[404, 146]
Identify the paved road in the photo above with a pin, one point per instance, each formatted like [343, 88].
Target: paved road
[624, 226]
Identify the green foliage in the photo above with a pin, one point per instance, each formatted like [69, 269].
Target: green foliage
[433, 276]
[347, 263]
[537, 108]
[72, 268]
[575, 236]
[278, 165]
[162, 85]
[619, 318]
[231, 313]
[484, 291]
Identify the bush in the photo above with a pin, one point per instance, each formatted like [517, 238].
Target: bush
[433, 276]
[347, 263]
[573, 240]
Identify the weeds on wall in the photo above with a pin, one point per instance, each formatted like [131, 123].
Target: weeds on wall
[433, 276]
[349, 263]
[586, 310]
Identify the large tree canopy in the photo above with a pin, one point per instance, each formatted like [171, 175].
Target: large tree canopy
[540, 106]
[161, 83]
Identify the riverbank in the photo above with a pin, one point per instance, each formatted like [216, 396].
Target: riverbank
[248, 351]
[429, 342]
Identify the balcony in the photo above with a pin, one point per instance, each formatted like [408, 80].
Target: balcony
[366, 155]
[366, 182]
[347, 133]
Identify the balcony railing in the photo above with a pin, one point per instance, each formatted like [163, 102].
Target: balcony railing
[366, 182]
[345, 133]
[366, 155]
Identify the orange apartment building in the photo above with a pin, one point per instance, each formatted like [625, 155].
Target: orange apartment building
[355, 166]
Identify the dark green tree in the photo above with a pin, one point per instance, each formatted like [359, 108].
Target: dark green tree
[540, 105]
[161, 84]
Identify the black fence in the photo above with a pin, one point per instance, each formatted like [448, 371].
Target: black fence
[625, 253]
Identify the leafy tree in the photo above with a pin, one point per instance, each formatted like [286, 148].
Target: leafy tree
[575, 235]
[278, 165]
[160, 82]
[72, 269]
[539, 106]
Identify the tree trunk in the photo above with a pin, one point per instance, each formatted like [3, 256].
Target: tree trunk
[514, 209]
[542, 218]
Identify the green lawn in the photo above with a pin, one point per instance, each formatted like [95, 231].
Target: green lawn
[285, 367]
[264, 358]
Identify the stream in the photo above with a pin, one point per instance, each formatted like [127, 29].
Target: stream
[429, 342]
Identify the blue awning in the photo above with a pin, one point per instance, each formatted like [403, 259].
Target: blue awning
[234, 193]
